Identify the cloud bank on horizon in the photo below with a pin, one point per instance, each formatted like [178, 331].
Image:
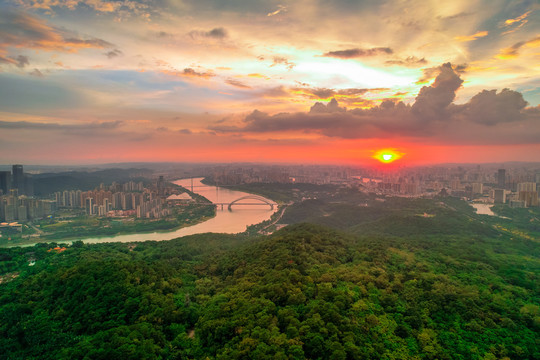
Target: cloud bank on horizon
[207, 80]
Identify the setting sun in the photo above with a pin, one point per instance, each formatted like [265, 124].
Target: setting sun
[387, 155]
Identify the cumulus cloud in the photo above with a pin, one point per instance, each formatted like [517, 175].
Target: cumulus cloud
[432, 101]
[431, 73]
[490, 117]
[331, 107]
[356, 53]
[491, 108]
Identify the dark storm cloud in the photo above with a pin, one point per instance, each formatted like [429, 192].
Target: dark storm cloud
[331, 107]
[428, 74]
[490, 117]
[327, 119]
[356, 53]
[533, 112]
[432, 101]
[491, 108]
[431, 73]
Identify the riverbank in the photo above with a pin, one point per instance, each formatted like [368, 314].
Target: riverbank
[169, 226]
[224, 221]
[69, 227]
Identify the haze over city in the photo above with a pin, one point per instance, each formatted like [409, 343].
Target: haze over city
[87, 82]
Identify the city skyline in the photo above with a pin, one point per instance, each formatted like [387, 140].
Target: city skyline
[89, 81]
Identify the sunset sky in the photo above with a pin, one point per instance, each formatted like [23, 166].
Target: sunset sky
[310, 81]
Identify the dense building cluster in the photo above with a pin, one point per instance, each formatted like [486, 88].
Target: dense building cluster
[237, 174]
[16, 201]
[16, 180]
[15, 207]
[516, 186]
[130, 198]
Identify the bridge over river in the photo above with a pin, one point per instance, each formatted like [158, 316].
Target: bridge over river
[240, 201]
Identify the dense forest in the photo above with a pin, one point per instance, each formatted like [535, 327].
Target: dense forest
[374, 279]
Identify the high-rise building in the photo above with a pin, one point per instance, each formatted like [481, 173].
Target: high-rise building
[28, 185]
[161, 185]
[89, 206]
[477, 188]
[5, 182]
[499, 196]
[501, 178]
[526, 186]
[529, 197]
[17, 180]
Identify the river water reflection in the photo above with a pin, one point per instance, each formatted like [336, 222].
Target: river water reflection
[225, 221]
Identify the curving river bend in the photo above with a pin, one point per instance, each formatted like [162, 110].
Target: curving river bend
[225, 221]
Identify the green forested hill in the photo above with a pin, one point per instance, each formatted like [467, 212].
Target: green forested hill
[306, 292]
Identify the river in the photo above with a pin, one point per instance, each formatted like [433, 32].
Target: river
[225, 221]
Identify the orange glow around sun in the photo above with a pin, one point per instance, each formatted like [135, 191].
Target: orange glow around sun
[387, 155]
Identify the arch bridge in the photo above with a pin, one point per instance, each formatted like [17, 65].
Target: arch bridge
[251, 197]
